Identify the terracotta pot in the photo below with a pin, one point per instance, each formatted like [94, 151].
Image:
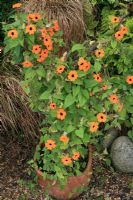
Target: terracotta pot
[75, 184]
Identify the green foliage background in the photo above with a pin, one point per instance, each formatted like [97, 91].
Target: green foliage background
[5, 13]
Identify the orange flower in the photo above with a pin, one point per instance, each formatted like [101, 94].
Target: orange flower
[115, 19]
[93, 126]
[31, 29]
[50, 144]
[52, 106]
[36, 49]
[30, 17]
[64, 139]
[60, 69]
[97, 77]
[124, 29]
[86, 66]
[101, 117]
[27, 64]
[129, 80]
[47, 39]
[120, 107]
[13, 34]
[114, 99]
[99, 53]
[41, 58]
[81, 63]
[104, 87]
[36, 17]
[72, 76]
[56, 26]
[17, 5]
[43, 55]
[49, 46]
[48, 42]
[119, 35]
[50, 31]
[76, 156]
[61, 114]
[44, 32]
[66, 160]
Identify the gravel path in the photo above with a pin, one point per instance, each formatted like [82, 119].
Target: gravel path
[105, 184]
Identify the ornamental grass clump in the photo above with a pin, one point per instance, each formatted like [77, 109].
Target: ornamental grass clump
[69, 14]
[80, 96]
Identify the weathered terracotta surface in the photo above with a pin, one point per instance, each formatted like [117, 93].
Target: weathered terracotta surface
[73, 186]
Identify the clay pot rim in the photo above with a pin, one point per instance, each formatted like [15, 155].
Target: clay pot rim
[87, 170]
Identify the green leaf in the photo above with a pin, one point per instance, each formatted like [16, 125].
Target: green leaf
[81, 74]
[97, 66]
[41, 72]
[69, 100]
[30, 39]
[113, 43]
[75, 90]
[76, 141]
[18, 57]
[86, 138]
[131, 120]
[29, 73]
[85, 93]
[82, 99]
[45, 95]
[80, 132]
[130, 135]
[70, 128]
[77, 47]
[90, 83]
[10, 45]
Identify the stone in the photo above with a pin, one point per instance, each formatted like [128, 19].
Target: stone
[122, 154]
[110, 136]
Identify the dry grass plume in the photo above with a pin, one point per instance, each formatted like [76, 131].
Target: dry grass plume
[69, 14]
[16, 117]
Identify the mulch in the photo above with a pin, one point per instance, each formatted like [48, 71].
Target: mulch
[16, 184]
